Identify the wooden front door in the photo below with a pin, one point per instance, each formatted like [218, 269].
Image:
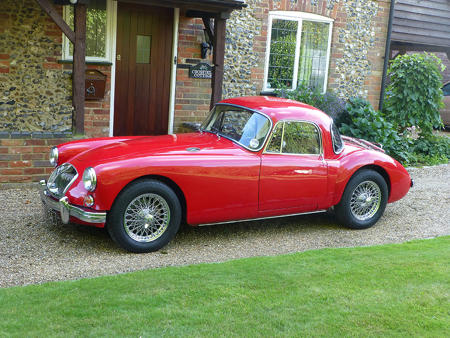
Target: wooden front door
[143, 61]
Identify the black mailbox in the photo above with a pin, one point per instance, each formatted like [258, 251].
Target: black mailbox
[95, 85]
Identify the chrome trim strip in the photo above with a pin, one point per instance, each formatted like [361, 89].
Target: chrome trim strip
[249, 110]
[76, 212]
[263, 218]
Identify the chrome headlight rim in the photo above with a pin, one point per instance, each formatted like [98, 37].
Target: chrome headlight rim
[89, 179]
[53, 156]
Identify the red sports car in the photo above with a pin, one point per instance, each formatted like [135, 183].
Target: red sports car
[253, 158]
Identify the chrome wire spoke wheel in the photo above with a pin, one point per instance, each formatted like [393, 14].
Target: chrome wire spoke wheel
[365, 200]
[146, 217]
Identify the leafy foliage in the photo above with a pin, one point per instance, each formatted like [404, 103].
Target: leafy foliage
[329, 102]
[414, 95]
[431, 150]
[361, 120]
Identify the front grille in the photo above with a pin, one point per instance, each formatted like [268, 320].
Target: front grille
[61, 179]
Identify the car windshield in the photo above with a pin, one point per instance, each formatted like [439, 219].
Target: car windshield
[248, 128]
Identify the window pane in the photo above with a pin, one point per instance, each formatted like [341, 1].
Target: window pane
[95, 28]
[300, 138]
[143, 44]
[313, 54]
[446, 89]
[336, 138]
[275, 142]
[282, 53]
[245, 127]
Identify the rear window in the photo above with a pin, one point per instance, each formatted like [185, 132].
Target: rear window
[338, 145]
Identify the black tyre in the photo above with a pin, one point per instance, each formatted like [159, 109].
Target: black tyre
[363, 201]
[144, 217]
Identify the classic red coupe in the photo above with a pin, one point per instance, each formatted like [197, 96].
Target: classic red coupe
[253, 158]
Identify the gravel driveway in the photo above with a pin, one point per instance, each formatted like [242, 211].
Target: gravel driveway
[33, 250]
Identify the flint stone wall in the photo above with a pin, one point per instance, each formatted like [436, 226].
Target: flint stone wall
[357, 46]
[35, 92]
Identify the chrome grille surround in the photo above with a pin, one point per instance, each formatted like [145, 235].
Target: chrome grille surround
[61, 179]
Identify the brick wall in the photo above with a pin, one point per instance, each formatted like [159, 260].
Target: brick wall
[26, 160]
[35, 93]
[192, 96]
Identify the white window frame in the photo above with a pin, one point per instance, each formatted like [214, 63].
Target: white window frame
[299, 17]
[111, 12]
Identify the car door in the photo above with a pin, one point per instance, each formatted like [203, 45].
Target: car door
[293, 175]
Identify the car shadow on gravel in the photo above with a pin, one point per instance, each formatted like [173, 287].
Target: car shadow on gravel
[97, 239]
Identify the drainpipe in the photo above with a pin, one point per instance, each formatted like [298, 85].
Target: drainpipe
[386, 54]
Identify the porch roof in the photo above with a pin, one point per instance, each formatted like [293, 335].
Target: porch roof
[209, 6]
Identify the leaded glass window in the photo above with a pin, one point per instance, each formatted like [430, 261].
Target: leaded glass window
[298, 50]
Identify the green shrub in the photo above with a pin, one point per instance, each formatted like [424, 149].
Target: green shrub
[327, 102]
[414, 95]
[360, 120]
[430, 151]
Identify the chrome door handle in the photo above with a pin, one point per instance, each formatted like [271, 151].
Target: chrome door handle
[306, 172]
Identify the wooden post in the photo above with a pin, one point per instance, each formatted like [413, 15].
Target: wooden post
[57, 18]
[79, 66]
[218, 58]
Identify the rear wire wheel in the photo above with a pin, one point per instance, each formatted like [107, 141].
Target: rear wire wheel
[145, 216]
[363, 201]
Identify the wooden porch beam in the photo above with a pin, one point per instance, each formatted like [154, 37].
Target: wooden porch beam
[57, 18]
[79, 66]
[218, 60]
[209, 28]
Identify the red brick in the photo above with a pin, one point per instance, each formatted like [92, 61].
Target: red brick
[56, 141]
[27, 157]
[34, 142]
[41, 149]
[11, 171]
[34, 171]
[20, 150]
[9, 142]
[20, 164]
[47, 65]
[4, 56]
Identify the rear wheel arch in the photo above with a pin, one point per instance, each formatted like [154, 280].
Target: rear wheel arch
[380, 170]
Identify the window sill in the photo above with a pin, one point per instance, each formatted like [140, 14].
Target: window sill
[95, 63]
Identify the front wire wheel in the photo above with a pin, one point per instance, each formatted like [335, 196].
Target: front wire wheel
[145, 216]
[363, 201]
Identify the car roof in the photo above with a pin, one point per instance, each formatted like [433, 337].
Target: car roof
[281, 109]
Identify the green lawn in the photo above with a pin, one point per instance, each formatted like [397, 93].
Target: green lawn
[394, 290]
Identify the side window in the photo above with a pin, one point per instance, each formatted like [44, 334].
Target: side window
[446, 89]
[275, 141]
[300, 138]
[336, 138]
[292, 137]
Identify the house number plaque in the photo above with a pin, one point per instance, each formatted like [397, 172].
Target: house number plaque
[201, 71]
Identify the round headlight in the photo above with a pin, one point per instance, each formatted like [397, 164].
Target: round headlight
[53, 158]
[89, 179]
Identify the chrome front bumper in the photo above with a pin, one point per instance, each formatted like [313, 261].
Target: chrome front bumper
[67, 210]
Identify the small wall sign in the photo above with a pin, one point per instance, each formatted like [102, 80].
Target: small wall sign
[201, 70]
